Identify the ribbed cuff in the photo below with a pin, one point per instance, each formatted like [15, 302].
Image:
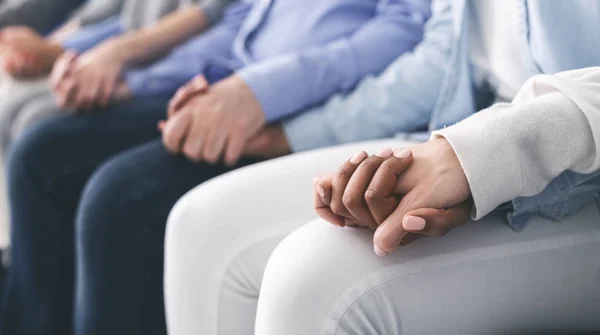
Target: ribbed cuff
[487, 152]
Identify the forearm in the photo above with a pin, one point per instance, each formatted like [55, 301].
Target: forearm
[190, 59]
[149, 43]
[337, 66]
[393, 102]
[516, 150]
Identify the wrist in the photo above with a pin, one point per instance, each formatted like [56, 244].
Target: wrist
[120, 50]
[485, 149]
[54, 49]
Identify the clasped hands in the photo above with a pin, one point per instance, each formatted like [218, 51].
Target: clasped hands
[25, 54]
[221, 121]
[90, 80]
[401, 195]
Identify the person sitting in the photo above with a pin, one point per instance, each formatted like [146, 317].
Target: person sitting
[104, 179]
[257, 261]
[26, 53]
[127, 35]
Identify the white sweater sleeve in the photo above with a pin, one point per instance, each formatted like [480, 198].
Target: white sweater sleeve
[513, 150]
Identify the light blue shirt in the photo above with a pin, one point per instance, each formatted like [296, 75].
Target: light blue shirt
[433, 87]
[294, 54]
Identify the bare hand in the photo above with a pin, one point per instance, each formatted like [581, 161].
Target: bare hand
[93, 78]
[218, 123]
[435, 180]
[97, 74]
[25, 53]
[399, 195]
[197, 86]
[271, 142]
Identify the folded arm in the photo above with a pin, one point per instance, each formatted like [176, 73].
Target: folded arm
[551, 129]
[192, 58]
[402, 98]
[149, 43]
[319, 72]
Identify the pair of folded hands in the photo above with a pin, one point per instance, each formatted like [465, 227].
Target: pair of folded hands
[26, 54]
[401, 195]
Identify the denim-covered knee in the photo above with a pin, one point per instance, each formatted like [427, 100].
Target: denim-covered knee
[37, 153]
[124, 195]
[107, 197]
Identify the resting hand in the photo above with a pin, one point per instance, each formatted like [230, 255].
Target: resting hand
[61, 79]
[25, 53]
[97, 75]
[16, 33]
[269, 143]
[435, 196]
[197, 86]
[399, 196]
[217, 123]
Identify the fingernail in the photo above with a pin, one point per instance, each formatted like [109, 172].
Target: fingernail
[321, 191]
[413, 223]
[358, 157]
[402, 153]
[385, 153]
[379, 252]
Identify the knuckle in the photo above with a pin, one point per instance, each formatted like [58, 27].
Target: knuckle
[350, 200]
[210, 155]
[191, 155]
[388, 165]
[371, 197]
[337, 207]
[367, 164]
[343, 173]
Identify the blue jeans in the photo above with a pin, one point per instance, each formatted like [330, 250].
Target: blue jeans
[90, 196]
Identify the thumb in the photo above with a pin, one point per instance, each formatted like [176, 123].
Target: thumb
[436, 222]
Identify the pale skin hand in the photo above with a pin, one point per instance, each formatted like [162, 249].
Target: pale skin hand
[25, 53]
[197, 86]
[218, 123]
[399, 198]
[65, 87]
[270, 142]
[95, 77]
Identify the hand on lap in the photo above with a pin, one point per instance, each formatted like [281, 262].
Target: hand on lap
[399, 194]
[215, 124]
[270, 142]
[90, 80]
[25, 54]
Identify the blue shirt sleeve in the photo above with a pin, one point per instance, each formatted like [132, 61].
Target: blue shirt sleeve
[289, 83]
[91, 35]
[564, 196]
[401, 99]
[209, 54]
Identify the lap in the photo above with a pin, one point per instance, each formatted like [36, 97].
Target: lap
[67, 139]
[478, 279]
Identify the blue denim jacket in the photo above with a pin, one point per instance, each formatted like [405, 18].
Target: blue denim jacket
[433, 87]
